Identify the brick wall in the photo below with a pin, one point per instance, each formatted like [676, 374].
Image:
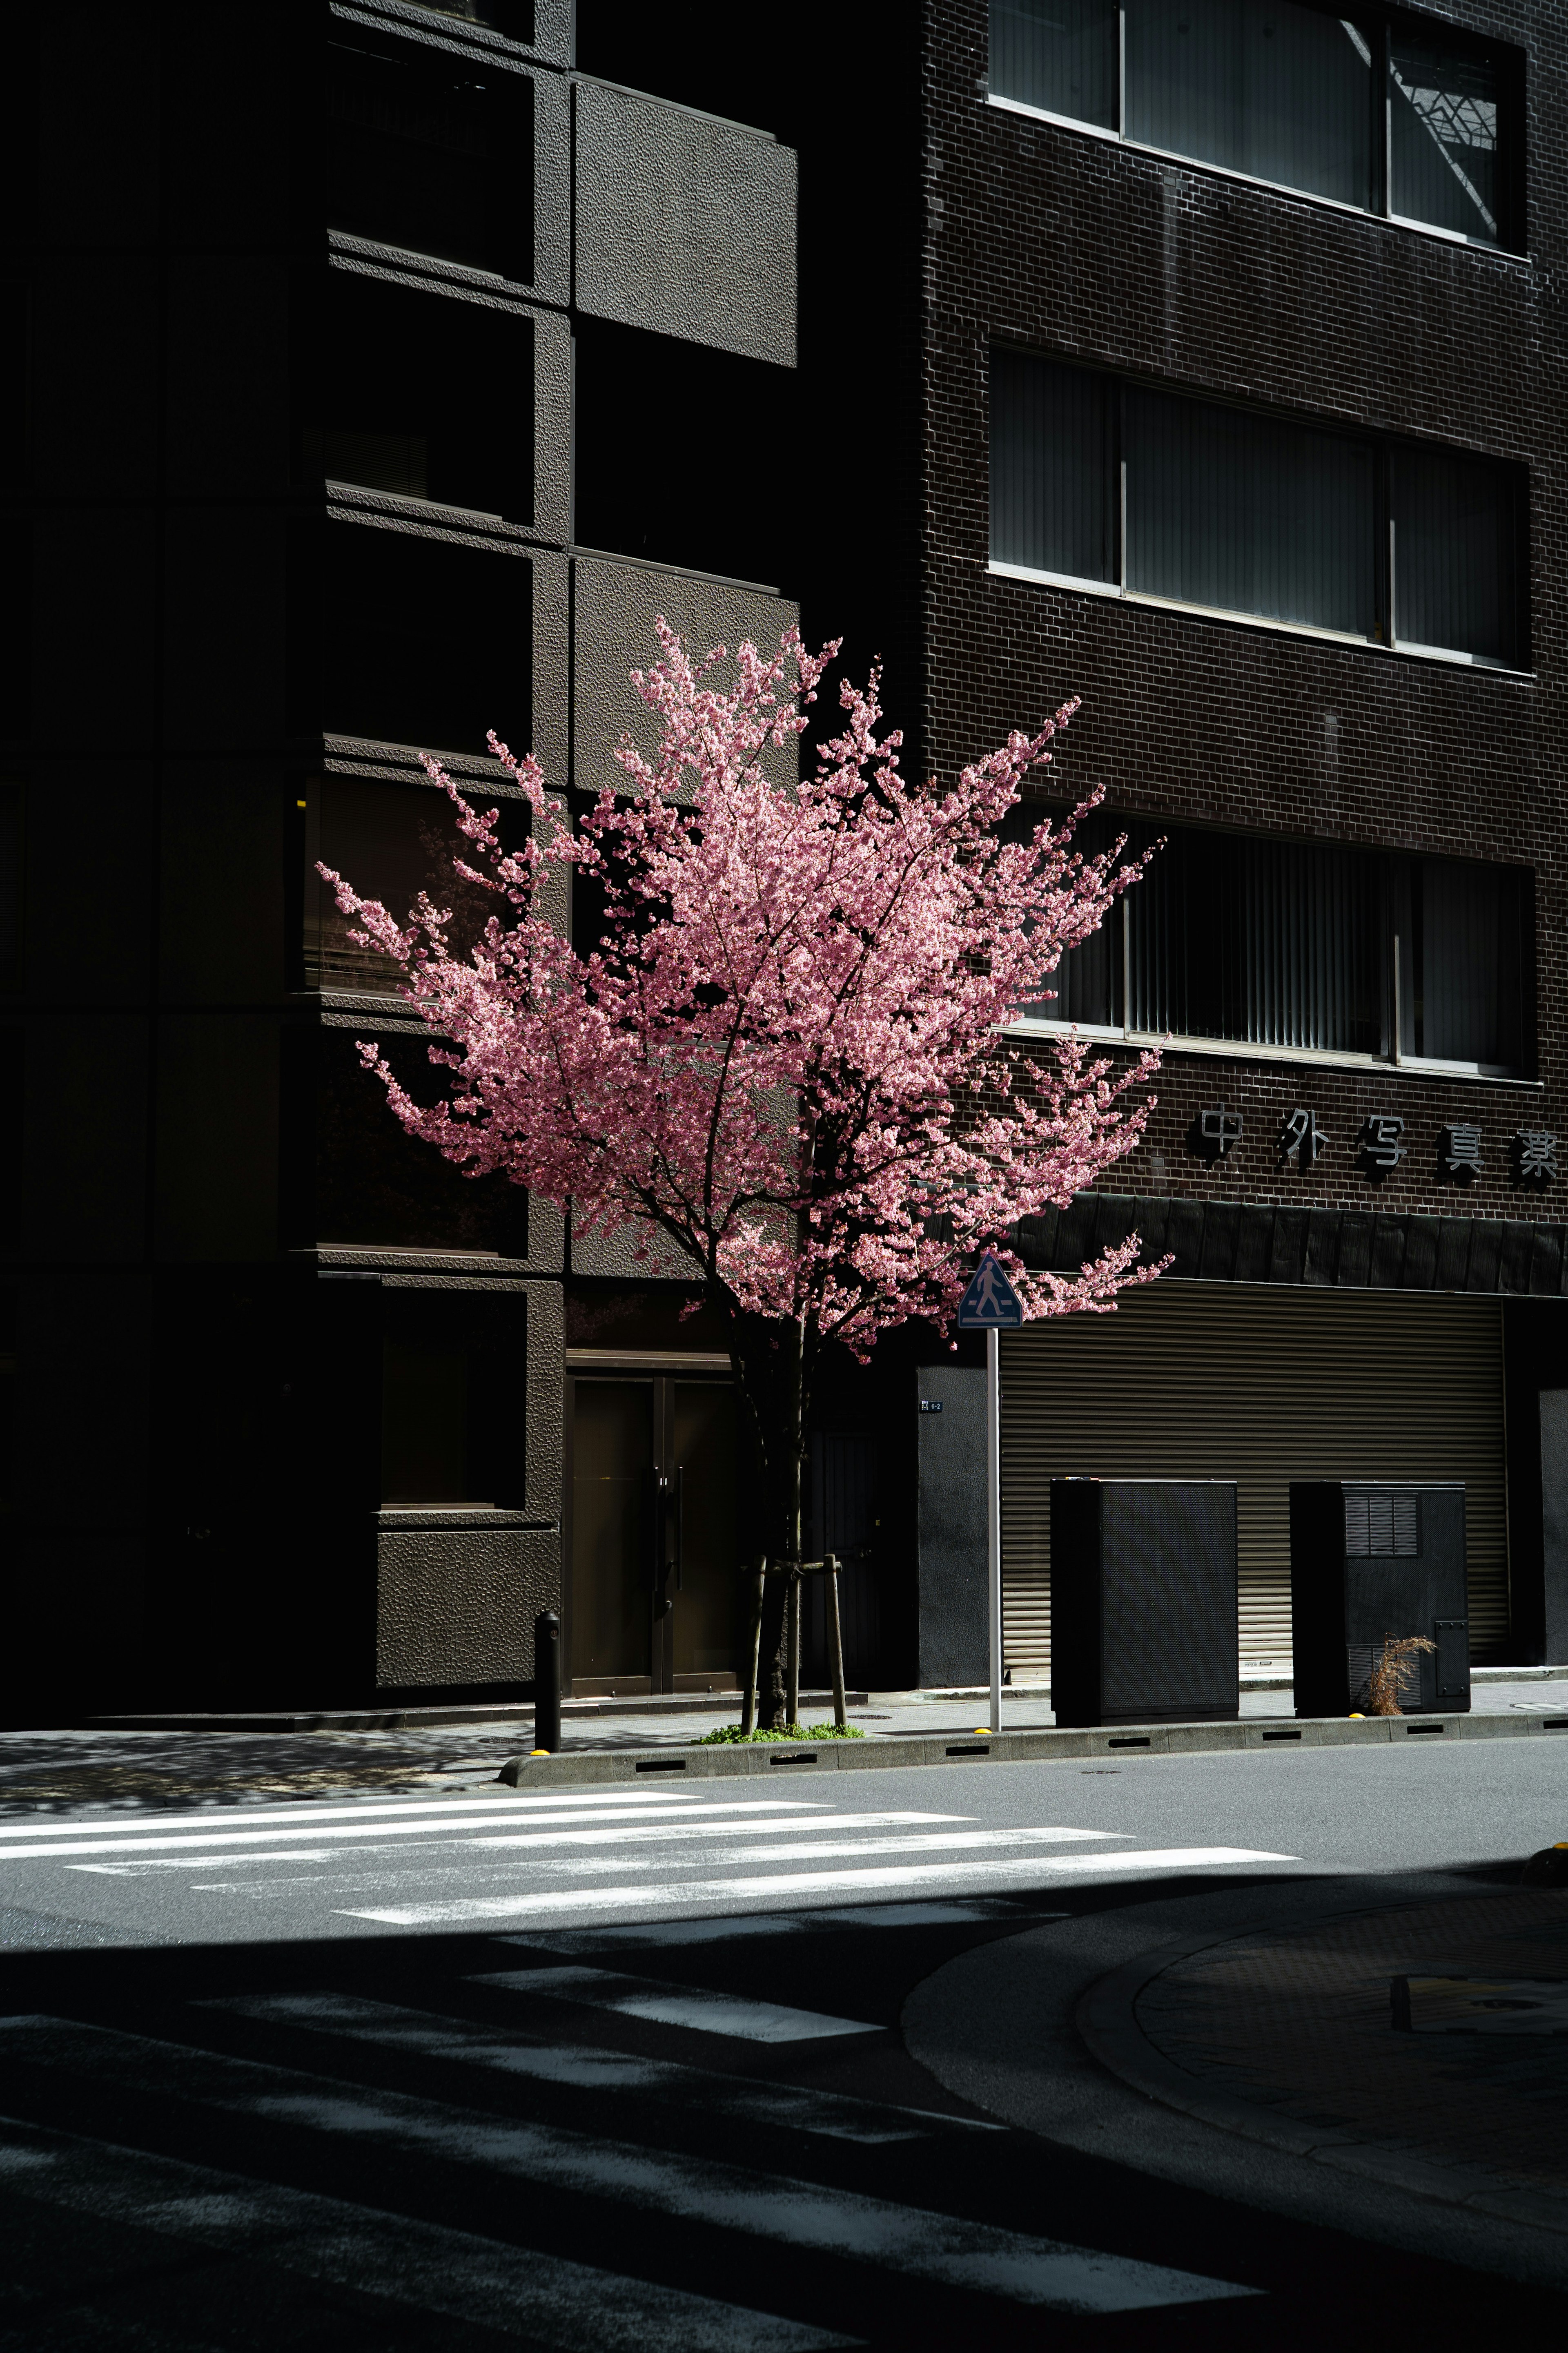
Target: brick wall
[1071, 246]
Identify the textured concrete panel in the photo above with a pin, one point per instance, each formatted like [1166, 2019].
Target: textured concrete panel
[955, 1639]
[458, 1605]
[633, 1253]
[615, 604]
[686, 225]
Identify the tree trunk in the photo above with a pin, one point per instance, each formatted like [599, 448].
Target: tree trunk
[769, 1360]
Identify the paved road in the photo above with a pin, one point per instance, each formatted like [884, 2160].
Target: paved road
[626, 2067]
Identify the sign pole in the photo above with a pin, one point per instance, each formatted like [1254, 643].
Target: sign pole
[993, 1513]
[988, 1303]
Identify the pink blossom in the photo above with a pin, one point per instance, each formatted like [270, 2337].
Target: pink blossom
[785, 1057]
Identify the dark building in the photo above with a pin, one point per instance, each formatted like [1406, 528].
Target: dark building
[375, 374]
[340, 348]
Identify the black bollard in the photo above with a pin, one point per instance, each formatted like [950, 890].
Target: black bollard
[547, 1681]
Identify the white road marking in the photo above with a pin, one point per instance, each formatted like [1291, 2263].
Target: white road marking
[145, 1864]
[622, 1833]
[420, 2266]
[798, 1884]
[303, 1811]
[582, 2068]
[694, 2007]
[919, 2242]
[803, 1845]
[351, 1833]
[632, 1833]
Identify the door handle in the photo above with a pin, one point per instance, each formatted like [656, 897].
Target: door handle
[679, 1524]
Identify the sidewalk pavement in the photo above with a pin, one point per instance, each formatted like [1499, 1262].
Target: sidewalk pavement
[1428, 2043]
[1251, 2041]
[56, 1769]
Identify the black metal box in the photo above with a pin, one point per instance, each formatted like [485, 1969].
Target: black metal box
[1144, 1627]
[1371, 1560]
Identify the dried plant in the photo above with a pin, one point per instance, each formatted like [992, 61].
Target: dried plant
[1383, 1686]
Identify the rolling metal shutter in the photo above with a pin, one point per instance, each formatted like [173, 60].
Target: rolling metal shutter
[1215, 1380]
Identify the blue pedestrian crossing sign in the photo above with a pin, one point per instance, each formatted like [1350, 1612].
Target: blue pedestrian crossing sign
[990, 1300]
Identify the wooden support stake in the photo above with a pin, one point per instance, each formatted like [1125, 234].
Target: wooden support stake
[792, 1706]
[754, 1648]
[835, 1640]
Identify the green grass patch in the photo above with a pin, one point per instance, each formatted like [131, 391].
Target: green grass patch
[728, 1735]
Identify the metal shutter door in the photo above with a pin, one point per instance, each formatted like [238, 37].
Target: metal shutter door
[1196, 1380]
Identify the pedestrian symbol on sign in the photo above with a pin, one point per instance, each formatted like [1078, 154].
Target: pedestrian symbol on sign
[990, 1300]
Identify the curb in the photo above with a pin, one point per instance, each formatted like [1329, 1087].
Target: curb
[880, 1755]
[1107, 2023]
[397, 1719]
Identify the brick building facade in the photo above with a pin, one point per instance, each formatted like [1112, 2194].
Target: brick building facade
[1076, 242]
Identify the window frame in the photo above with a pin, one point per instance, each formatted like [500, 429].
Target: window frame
[1393, 957]
[1386, 449]
[1380, 24]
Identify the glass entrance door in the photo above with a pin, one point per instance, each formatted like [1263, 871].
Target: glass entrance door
[655, 1589]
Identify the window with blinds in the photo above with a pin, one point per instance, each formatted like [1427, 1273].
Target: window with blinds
[1098, 483]
[1304, 945]
[1417, 124]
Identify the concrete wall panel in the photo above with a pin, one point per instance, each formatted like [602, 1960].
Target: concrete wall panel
[614, 608]
[458, 1606]
[686, 225]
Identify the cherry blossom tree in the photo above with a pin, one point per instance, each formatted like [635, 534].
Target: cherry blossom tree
[781, 1062]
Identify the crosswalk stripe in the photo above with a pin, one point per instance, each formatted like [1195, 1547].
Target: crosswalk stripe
[632, 1833]
[357, 1832]
[804, 1846]
[305, 1813]
[917, 2241]
[423, 2265]
[697, 2008]
[796, 1885]
[581, 2067]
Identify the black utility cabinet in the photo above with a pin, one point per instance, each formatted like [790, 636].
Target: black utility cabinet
[1368, 1560]
[1143, 1625]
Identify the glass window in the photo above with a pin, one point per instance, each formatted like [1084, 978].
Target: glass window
[424, 1424]
[1468, 929]
[430, 152]
[1442, 137]
[392, 842]
[1249, 514]
[1062, 55]
[1274, 90]
[1276, 943]
[400, 638]
[1096, 481]
[1086, 986]
[1051, 471]
[1292, 944]
[1295, 96]
[1456, 554]
[461, 432]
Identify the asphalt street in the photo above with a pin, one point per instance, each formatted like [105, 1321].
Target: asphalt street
[462, 2066]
